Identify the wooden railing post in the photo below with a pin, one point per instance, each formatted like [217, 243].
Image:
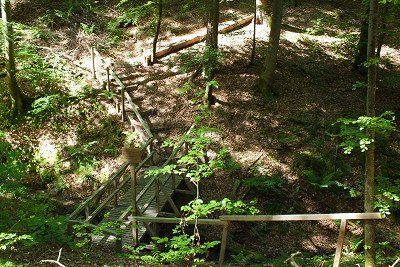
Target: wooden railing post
[93, 63]
[116, 183]
[108, 79]
[157, 193]
[339, 244]
[87, 212]
[134, 205]
[123, 103]
[224, 241]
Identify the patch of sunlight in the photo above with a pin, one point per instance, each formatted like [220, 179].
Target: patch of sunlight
[392, 53]
[105, 172]
[47, 150]
[76, 87]
[214, 136]
[247, 157]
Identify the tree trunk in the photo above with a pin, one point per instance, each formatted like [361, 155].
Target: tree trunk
[382, 33]
[15, 92]
[370, 154]
[211, 48]
[255, 22]
[267, 75]
[362, 47]
[159, 19]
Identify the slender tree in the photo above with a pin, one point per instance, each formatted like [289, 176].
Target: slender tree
[15, 92]
[255, 22]
[370, 154]
[268, 73]
[362, 47]
[157, 34]
[211, 49]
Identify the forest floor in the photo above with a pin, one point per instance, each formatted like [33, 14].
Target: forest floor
[289, 141]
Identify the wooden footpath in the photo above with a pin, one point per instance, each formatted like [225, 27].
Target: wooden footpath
[148, 203]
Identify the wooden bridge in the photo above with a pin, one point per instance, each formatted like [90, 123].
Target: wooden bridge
[130, 193]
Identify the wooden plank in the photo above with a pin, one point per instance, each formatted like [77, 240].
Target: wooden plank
[303, 217]
[177, 220]
[339, 245]
[224, 241]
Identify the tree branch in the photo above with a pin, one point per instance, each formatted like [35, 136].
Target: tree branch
[55, 261]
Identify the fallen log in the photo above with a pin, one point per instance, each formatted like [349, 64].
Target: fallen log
[198, 39]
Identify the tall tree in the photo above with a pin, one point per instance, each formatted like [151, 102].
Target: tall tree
[15, 92]
[267, 76]
[211, 57]
[362, 47]
[158, 27]
[370, 154]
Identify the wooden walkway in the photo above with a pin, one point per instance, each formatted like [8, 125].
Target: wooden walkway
[149, 205]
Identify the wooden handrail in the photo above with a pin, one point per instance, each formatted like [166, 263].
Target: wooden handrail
[100, 190]
[120, 186]
[226, 220]
[177, 220]
[135, 109]
[302, 217]
[112, 178]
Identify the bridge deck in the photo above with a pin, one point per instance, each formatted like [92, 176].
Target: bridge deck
[147, 199]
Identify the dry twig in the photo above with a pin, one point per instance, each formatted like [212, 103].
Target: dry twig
[395, 263]
[292, 260]
[55, 261]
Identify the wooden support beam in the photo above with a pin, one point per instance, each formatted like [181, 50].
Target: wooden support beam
[185, 192]
[170, 201]
[146, 224]
[224, 241]
[340, 242]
